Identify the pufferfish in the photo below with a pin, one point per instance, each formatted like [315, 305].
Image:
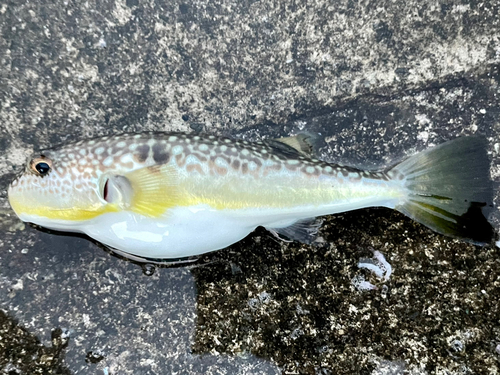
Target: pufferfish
[174, 195]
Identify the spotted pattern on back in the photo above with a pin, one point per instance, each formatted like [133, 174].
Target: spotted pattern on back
[75, 164]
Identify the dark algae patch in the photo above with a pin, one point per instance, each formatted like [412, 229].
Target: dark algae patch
[298, 308]
[22, 353]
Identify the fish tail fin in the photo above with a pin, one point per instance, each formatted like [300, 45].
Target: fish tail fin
[448, 189]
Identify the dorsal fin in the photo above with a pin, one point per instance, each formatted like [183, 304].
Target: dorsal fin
[292, 147]
[282, 149]
[302, 143]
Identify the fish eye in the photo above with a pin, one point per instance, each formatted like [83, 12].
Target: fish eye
[41, 166]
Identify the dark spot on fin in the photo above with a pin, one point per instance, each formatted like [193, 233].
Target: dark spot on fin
[303, 143]
[475, 224]
[305, 231]
[472, 225]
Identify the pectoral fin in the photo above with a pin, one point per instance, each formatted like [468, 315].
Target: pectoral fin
[155, 189]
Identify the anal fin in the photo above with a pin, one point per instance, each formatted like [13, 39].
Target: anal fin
[304, 231]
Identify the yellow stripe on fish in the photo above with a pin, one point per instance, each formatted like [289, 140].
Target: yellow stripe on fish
[76, 214]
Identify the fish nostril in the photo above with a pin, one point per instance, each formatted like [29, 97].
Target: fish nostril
[106, 191]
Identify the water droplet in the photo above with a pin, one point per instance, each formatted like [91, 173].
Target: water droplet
[148, 269]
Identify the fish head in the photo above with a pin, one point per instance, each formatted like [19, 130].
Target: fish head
[60, 189]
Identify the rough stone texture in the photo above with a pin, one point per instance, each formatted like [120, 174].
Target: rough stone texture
[379, 80]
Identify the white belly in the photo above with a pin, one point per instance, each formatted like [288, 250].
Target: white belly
[184, 232]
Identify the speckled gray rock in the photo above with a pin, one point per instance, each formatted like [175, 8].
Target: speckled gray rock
[378, 80]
